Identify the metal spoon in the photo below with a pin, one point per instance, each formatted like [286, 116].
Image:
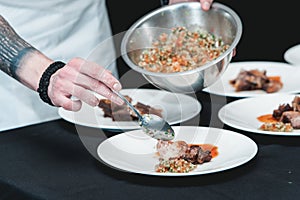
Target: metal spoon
[152, 125]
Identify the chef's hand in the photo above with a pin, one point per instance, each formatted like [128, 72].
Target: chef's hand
[205, 4]
[81, 79]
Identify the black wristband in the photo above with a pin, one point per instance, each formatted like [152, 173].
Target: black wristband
[45, 80]
[164, 2]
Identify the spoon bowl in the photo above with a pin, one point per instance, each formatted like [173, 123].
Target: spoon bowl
[156, 127]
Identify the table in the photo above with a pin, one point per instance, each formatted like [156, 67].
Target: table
[49, 161]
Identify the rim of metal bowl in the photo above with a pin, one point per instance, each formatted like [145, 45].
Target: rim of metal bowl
[201, 68]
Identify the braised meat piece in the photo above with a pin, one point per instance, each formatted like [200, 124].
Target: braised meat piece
[255, 80]
[105, 104]
[296, 103]
[123, 112]
[272, 86]
[196, 155]
[249, 80]
[191, 154]
[204, 156]
[291, 117]
[281, 109]
[146, 109]
[114, 111]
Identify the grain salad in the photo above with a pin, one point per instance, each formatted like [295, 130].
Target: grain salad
[182, 50]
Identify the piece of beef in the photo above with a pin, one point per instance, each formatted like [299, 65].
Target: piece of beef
[196, 155]
[272, 86]
[249, 80]
[146, 109]
[292, 117]
[204, 156]
[114, 111]
[296, 103]
[191, 154]
[281, 109]
[123, 112]
[106, 107]
[255, 80]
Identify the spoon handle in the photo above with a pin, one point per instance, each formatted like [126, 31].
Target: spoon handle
[128, 103]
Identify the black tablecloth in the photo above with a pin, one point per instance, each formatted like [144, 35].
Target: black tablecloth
[49, 161]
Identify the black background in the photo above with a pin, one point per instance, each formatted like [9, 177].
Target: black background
[269, 27]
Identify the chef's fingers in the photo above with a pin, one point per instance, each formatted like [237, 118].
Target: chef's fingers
[96, 71]
[234, 52]
[206, 4]
[85, 82]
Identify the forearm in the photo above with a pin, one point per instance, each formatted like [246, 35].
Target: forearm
[19, 59]
[77, 78]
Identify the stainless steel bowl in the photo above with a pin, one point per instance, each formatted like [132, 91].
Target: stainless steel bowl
[220, 20]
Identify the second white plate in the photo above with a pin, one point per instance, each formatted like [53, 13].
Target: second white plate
[289, 77]
[176, 108]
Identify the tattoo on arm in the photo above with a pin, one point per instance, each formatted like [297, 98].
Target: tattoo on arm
[12, 49]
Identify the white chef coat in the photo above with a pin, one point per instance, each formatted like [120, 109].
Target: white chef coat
[61, 29]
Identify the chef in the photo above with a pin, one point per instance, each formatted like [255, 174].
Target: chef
[62, 30]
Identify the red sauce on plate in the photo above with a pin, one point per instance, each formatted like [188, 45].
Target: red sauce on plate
[268, 118]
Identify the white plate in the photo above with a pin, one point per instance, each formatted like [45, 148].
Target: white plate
[135, 152]
[289, 77]
[242, 114]
[292, 55]
[176, 108]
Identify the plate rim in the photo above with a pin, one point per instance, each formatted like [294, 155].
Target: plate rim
[253, 144]
[256, 131]
[197, 109]
[249, 93]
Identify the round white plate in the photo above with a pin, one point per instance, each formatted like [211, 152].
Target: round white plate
[135, 152]
[242, 114]
[292, 55]
[176, 108]
[289, 77]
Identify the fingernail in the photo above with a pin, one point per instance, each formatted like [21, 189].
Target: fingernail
[117, 86]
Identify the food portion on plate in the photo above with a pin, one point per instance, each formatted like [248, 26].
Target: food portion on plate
[182, 50]
[123, 112]
[285, 118]
[255, 79]
[275, 72]
[181, 157]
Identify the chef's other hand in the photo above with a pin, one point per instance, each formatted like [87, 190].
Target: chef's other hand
[205, 4]
[82, 79]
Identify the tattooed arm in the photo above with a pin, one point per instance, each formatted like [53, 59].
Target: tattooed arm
[77, 78]
[19, 59]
